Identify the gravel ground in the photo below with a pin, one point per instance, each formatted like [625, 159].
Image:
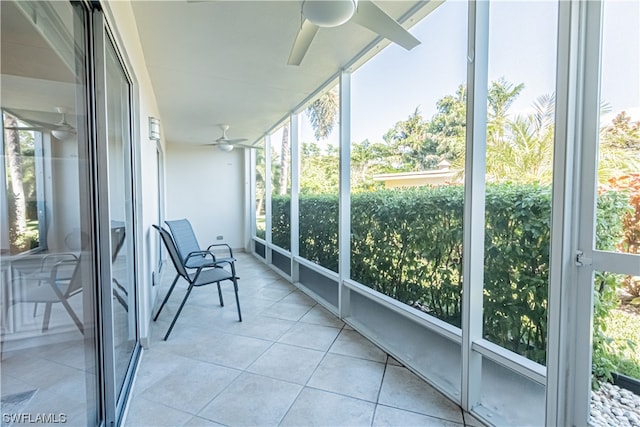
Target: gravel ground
[614, 406]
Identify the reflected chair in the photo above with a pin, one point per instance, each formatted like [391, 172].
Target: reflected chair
[210, 270]
[56, 281]
[120, 293]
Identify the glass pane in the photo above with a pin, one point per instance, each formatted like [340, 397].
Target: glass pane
[281, 188]
[407, 159]
[261, 215]
[120, 196]
[619, 148]
[615, 352]
[319, 180]
[508, 398]
[429, 353]
[48, 316]
[520, 129]
[616, 313]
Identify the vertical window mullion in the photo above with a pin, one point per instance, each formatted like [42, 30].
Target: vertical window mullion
[474, 204]
[344, 226]
[267, 190]
[252, 198]
[560, 350]
[294, 136]
[41, 194]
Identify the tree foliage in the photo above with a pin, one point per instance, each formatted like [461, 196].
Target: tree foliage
[323, 113]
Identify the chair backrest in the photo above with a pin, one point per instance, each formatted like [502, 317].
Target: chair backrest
[173, 252]
[117, 241]
[186, 242]
[75, 285]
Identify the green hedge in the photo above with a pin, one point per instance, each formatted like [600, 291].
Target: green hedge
[407, 244]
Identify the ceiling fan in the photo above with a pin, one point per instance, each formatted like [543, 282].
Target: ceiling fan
[62, 130]
[226, 144]
[332, 13]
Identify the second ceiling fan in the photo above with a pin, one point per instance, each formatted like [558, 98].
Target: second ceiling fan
[332, 13]
[227, 144]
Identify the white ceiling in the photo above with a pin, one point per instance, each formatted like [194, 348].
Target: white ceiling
[215, 62]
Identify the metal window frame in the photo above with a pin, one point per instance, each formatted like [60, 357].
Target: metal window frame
[474, 203]
[561, 349]
[344, 206]
[267, 197]
[294, 215]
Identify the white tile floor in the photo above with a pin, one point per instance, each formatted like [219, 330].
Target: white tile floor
[290, 363]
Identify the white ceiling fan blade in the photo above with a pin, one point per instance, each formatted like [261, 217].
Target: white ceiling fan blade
[370, 16]
[234, 140]
[303, 41]
[248, 146]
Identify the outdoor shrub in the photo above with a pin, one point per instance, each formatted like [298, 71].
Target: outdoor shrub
[516, 273]
[407, 244]
[281, 221]
[630, 184]
[319, 229]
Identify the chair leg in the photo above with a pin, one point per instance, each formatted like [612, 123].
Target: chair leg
[235, 288]
[73, 315]
[47, 317]
[35, 309]
[166, 298]
[184, 300]
[220, 295]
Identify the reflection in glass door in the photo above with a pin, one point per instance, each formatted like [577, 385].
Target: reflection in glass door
[120, 215]
[49, 365]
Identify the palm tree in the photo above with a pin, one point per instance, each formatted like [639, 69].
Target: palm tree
[323, 113]
[524, 152]
[285, 160]
[501, 96]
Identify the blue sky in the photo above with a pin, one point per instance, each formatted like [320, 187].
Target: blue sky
[522, 49]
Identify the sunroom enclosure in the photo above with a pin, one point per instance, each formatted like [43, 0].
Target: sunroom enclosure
[451, 339]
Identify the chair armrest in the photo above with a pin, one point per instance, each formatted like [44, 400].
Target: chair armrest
[61, 256]
[202, 254]
[222, 244]
[54, 271]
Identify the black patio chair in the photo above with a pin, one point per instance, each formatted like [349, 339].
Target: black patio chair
[212, 271]
[193, 256]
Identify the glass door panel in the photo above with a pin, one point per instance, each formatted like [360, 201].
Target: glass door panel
[121, 216]
[616, 283]
[47, 263]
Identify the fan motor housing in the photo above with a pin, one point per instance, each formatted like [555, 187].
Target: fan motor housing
[329, 13]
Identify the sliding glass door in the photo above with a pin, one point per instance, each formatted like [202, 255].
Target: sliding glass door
[50, 363]
[116, 220]
[67, 248]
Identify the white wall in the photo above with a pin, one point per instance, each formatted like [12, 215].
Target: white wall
[206, 186]
[121, 20]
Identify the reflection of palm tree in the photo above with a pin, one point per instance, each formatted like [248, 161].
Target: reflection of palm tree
[16, 173]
